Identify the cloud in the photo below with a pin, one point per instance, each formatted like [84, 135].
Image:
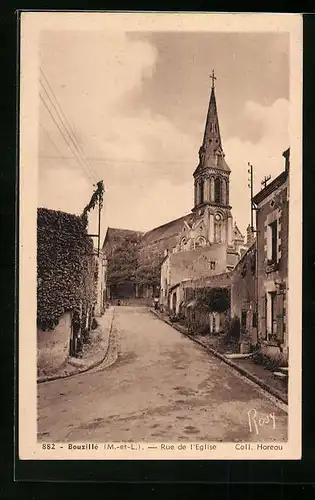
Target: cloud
[144, 159]
[265, 155]
[144, 207]
[93, 76]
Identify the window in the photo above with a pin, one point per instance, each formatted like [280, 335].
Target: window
[217, 190]
[254, 323]
[243, 321]
[200, 242]
[273, 297]
[217, 232]
[272, 243]
[183, 243]
[224, 192]
[201, 191]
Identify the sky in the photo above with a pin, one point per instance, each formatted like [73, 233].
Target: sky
[137, 104]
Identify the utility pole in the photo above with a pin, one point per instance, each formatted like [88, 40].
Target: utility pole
[97, 198]
[99, 225]
[251, 186]
[252, 209]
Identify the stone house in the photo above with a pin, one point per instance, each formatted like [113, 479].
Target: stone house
[180, 266]
[183, 298]
[243, 297]
[272, 222]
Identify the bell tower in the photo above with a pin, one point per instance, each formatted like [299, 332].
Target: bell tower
[211, 179]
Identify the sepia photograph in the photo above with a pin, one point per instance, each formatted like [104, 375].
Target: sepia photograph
[160, 242]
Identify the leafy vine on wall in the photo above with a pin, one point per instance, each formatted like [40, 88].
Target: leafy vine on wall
[65, 267]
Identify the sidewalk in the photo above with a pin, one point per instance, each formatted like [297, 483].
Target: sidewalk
[94, 353]
[247, 367]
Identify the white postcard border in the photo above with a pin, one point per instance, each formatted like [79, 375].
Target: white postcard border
[31, 25]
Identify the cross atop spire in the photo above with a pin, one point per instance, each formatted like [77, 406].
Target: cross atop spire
[211, 153]
[213, 78]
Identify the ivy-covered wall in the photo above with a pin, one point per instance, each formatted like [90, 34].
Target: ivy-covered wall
[66, 268]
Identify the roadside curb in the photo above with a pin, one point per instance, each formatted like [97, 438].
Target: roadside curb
[274, 392]
[84, 368]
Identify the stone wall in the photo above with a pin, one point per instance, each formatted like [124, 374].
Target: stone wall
[53, 346]
[101, 284]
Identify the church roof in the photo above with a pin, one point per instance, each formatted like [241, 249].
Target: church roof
[211, 153]
[237, 233]
[166, 231]
[114, 234]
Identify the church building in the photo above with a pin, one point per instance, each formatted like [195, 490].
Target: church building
[205, 241]
[211, 220]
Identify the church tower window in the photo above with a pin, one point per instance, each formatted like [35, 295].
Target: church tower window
[224, 192]
[217, 232]
[201, 191]
[217, 190]
[211, 189]
[183, 244]
[200, 242]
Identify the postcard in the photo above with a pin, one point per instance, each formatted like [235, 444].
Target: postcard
[160, 236]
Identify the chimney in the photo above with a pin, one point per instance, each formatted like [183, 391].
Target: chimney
[286, 155]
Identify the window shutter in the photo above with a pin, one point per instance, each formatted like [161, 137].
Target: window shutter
[280, 300]
[263, 317]
[279, 241]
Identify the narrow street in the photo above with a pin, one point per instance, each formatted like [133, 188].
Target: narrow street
[162, 387]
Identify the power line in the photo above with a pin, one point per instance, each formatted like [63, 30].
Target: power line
[52, 142]
[123, 160]
[64, 138]
[67, 121]
[80, 156]
[77, 152]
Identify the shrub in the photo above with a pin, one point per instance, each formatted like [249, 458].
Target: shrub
[203, 329]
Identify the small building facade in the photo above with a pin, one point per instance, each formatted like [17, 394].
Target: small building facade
[243, 297]
[184, 300]
[272, 222]
[180, 266]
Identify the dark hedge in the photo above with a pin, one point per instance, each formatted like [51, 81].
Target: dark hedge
[65, 266]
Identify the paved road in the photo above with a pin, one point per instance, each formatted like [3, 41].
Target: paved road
[163, 387]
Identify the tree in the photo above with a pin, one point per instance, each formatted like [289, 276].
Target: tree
[149, 269]
[213, 299]
[218, 299]
[123, 260]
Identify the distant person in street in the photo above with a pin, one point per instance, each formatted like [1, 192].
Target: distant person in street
[156, 303]
[118, 302]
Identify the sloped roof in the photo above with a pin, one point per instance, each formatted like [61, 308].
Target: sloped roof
[270, 188]
[168, 230]
[237, 233]
[113, 234]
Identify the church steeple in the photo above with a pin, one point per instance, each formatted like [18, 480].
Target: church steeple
[211, 154]
[211, 177]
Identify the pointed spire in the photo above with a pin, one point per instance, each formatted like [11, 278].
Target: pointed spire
[211, 152]
[212, 129]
